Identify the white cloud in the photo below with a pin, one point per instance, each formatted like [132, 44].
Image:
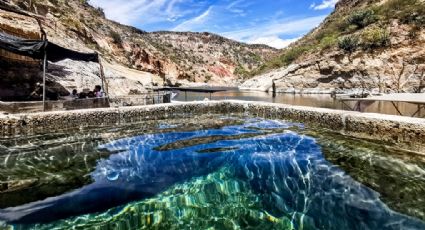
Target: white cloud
[326, 4]
[237, 6]
[267, 31]
[194, 23]
[234, 4]
[273, 41]
[142, 12]
[270, 33]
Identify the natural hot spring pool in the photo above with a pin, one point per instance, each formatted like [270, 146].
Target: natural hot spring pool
[214, 172]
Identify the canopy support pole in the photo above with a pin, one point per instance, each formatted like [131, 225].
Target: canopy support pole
[102, 76]
[44, 80]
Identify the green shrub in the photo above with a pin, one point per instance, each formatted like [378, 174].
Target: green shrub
[207, 78]
[116, 37]
[328, 41]
[414, 32]
[362, 18]
[255, 57]
[73, 24]
[407, 11]
[348, 43]
[99, 11]
[292, 54]
[375, 37]
[55, 2]
[415, 17]
[241, 71]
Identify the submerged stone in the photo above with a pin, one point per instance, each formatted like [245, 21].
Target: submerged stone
[268, 178]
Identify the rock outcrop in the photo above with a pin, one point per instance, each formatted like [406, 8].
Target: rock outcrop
[396, 66]
[150, 58]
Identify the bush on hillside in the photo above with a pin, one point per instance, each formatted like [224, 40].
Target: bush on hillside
[348, 43]
[241, 71]
[407, 11]
[328, 42]
[293, 54]
[55, 2]
[99, 11]
[417, 17]
[414, 32]
[375, 37]
[116, 37]
[362, 18]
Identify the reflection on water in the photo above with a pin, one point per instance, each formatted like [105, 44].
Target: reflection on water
[314, 100]
[48, 165]
[399, 177]
[223, 173]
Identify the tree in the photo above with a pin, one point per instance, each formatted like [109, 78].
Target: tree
[403, 76]
[421, 85]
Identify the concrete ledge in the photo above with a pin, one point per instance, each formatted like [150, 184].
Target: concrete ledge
[61, 105]
[404, 132]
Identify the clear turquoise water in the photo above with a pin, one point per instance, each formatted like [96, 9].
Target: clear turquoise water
[213, 173]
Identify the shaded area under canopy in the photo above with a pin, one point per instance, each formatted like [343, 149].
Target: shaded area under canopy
[36, 49]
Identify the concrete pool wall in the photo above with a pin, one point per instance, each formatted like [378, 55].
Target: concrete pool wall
[405, 132]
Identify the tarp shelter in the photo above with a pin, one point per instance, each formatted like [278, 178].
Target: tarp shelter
[46, 51]
[43, 49]
[37, 48]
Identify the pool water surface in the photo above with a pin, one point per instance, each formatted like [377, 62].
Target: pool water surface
[215, 172]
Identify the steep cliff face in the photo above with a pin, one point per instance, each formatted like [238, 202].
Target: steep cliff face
[162, 57]
[372, 45]
[209, 58]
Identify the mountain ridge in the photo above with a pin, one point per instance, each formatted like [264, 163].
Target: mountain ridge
[163, 57]
[364, 45]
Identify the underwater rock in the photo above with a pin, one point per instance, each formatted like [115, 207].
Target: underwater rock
[285, 171]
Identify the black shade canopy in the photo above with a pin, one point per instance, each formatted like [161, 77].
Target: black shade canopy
[36, 48]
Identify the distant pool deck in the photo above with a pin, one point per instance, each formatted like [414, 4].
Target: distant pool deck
[403, 132]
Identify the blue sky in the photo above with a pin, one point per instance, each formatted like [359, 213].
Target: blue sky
[272, 22]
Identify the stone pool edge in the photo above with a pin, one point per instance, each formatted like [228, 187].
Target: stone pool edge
[405, 132]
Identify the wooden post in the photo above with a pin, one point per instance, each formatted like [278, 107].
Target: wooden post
[44, 80]
[102, 76]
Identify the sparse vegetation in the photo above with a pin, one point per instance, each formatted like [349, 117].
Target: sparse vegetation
[99, 11]
[362, 18]
[407, 11]
[116, 37]
[414, 31]
[241, 71]
[55, 2]
[375, 37]
[348, 43]
[208, 78]
[73, 24]
[364, 27]
[293, 53]
[328, 42]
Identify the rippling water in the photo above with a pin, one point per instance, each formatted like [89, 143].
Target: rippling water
[216, 172]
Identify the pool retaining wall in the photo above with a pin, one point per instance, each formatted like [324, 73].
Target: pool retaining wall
[405, 132]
